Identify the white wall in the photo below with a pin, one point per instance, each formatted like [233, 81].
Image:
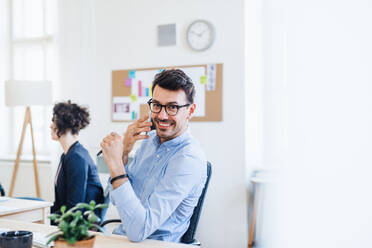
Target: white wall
[325, 199]
[316, 122]
[4, 71]
[96, 37]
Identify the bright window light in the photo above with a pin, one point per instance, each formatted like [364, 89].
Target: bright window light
[33, 58]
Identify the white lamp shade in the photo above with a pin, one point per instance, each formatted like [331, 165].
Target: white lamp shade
[27, 93]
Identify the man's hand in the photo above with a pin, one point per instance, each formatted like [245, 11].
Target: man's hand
[133, 134]
[112, 150]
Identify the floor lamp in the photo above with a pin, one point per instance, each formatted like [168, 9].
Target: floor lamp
[27, 93]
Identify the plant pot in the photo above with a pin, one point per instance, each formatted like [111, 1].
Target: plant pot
[89, 243]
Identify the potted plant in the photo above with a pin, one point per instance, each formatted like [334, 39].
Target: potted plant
[74, 224]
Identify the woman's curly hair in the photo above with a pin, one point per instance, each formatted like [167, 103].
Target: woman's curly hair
[70, 116]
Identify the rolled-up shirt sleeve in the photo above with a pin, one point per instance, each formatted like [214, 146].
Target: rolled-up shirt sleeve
[182, 174]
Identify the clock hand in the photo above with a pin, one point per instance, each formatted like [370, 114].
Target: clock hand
[194, 33]
[203, 31]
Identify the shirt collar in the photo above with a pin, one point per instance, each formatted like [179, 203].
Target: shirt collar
[173, 142]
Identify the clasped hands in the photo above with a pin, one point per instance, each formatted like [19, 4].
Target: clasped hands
[115, 148]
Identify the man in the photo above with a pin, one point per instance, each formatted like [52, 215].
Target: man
[156, 193]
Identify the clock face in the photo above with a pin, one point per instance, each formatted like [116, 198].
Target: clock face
[200, 35]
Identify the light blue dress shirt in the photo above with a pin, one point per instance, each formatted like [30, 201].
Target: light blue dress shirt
[165, 182]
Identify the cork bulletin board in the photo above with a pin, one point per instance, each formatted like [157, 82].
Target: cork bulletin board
[131, 89]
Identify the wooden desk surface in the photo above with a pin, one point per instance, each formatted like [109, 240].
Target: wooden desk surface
[13, 205]
[112, 241]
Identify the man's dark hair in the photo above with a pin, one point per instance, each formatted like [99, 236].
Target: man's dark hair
[175, 79]
[70, 116]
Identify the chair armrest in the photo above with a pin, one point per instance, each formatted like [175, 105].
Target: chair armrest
[110, 221]
[194, 242]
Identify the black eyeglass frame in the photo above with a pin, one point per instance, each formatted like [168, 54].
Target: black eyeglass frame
[165, 107]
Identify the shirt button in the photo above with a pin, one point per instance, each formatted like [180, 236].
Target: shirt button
[168, 149]
[158, 156]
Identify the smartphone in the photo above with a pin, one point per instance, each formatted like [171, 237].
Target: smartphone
[150, 120]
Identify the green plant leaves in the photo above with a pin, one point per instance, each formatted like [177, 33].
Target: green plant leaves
[84, 205]
[54, 217]
[101, 206]
[92, 218]
[72, 225]
[63, 209]
[53, 236]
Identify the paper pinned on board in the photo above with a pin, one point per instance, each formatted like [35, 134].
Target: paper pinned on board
[132, 74]
[211, 77]
[133, 98]
[203, 79]
[128, 82]
[122, 108]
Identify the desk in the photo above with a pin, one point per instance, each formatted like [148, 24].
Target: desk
[113, 241]
[25, 210]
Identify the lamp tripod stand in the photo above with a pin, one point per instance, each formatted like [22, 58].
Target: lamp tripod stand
[27, 121]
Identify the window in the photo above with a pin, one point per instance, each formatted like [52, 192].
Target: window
[32, 57]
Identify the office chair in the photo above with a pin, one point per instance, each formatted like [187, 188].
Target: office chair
[189, 236]
[106, 195]
[2, 191]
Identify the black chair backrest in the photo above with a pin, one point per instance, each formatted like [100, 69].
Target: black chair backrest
[2, 191]
[189, 235]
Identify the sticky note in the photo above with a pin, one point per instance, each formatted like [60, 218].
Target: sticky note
[128, 82]
[133, 98]
[132, 74]
[203, 79]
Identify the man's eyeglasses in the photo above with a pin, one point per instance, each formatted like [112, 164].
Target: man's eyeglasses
[170, 109]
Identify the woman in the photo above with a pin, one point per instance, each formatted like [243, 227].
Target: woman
[77, 177]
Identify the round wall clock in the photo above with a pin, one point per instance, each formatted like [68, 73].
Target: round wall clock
[200, 35]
